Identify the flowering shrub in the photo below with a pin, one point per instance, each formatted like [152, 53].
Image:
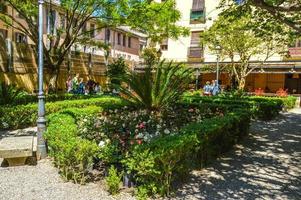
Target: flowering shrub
[119, 130]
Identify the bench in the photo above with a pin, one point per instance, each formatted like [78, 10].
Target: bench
[15, 150]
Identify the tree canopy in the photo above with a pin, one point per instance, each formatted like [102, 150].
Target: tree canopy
[239, 45]
[156, 20]
[269, 16]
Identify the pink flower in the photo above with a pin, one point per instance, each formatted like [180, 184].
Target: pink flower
[191, 110]
[141, 125]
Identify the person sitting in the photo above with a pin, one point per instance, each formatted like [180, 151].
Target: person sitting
[81, 86]
[215, 89]
[207, 89]
[75, 84]
[69, 84]
[97, 88]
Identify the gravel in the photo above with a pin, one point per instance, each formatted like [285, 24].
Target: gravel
[43, 182]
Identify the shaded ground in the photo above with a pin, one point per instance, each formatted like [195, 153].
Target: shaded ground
[266, 166]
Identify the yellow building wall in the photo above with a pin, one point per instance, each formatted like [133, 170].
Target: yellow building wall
[24, 71]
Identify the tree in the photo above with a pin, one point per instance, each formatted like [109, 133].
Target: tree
[270, 15]
[240, 45]
[77, 13]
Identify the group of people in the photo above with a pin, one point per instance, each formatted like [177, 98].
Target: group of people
[211, 89]
[76, 85]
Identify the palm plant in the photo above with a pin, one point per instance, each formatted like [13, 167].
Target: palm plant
[158, 86]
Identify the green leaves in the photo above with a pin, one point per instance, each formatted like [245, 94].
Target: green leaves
[156, 90]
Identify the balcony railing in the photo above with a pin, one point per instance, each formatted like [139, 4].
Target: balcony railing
[295, 51]
[195, 52]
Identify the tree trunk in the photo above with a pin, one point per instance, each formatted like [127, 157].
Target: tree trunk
[242, 83]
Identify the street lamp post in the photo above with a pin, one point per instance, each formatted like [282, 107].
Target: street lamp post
[218, 49]
[41, 122]
[197, 75]
[217, 70]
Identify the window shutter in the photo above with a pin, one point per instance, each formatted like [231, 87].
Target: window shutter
[195, 39]
[198, 5]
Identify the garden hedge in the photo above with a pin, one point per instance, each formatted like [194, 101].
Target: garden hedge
[157, 164]
[23, 116]
[27, 99]
[72, 154]
[265, 108]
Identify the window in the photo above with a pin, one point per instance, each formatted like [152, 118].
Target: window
[84, 28]
[119, 38]
[62, 21]
[129, 42]
[20, 38]
[197, 14]
[92, 30]
[51, 22]
[107, 36]
[124, 40]
[3, 7]
[3, 34]
[298, 43]
[164, 45]
[195, 39]
[196, 48]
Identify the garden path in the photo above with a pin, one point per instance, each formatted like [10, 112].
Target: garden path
[267, 165]
[43, 182]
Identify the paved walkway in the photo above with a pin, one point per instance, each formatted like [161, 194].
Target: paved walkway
[266, 166]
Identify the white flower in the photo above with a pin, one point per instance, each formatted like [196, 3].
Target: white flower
[158, 126]
[102, 144]
[5, 125]
[140, 135]
[85, 120]
[166, 131]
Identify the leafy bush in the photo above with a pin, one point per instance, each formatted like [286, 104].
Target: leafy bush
[117, 69]
[25, 98]
[265, 108]
[72, 154]
[10, 93]
[27, 114]
[160, 162]
[113, 180]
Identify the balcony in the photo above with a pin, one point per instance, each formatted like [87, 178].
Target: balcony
[295, 51]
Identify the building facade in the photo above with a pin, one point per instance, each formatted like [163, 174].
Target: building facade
[198, 15]
[18, 57]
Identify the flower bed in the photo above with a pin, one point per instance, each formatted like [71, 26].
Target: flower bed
[22, 116]
[114, 132]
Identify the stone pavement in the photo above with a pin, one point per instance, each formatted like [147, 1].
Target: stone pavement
[267, 165]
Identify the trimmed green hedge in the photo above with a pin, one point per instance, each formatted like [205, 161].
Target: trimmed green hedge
[72, 154]
[22, 116]
[27, 99]
[157, 164]
[265, 108]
